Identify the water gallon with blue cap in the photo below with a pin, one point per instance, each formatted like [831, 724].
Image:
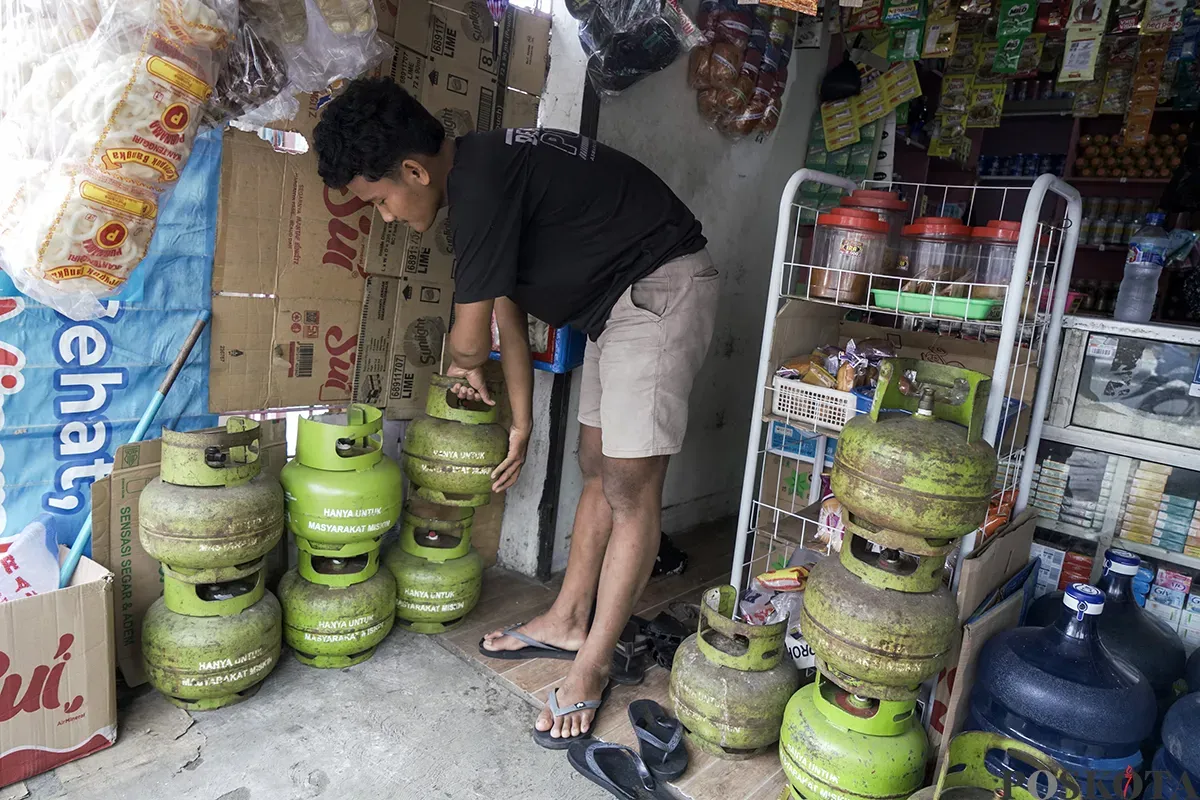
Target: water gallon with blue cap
[1059, 689]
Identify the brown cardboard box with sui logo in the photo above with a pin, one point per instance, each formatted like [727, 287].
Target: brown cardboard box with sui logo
[57, 686]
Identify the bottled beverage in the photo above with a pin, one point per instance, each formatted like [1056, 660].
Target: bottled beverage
[1147, 254]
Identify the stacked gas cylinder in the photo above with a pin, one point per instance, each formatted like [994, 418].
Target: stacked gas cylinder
[448, 456]
[878, 617]
[211, 518]
[343, 495]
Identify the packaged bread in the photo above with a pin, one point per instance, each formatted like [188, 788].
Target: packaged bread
[725, 64]
[698, 67]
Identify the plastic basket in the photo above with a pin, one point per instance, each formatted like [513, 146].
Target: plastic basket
[797, 401]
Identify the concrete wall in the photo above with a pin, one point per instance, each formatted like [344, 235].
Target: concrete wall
[734, 189]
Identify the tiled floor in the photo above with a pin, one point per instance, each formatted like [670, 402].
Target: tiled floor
[508, 598]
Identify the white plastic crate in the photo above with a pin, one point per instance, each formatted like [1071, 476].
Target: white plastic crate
[797, 401]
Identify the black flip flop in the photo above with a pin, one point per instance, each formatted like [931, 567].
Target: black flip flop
[660, 738]
[532, 649]
[666, 633]
[629, 656]
[617, 769]
[549, 742]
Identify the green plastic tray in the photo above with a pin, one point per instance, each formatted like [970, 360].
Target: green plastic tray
[952, 307]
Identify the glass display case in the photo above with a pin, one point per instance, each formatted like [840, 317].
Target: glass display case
[1119, 460]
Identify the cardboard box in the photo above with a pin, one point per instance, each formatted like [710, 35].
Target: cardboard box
[1167, 596]
[56, 658]
[293, 257]
[1168, 614]
[116, 544]
[998, 560]
[1171, 579]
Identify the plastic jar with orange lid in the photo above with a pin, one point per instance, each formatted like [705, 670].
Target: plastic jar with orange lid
[891, 209]
[851, 244]
[934, 249]
[996, 245]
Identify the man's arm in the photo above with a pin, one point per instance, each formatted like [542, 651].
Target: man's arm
[469, 343]
[518, 380]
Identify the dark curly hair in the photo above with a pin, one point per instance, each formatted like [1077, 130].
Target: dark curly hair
[369, 129]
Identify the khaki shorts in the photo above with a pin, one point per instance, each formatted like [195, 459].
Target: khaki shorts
[637, 377]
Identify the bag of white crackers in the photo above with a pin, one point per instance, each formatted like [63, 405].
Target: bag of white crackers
[98, 136]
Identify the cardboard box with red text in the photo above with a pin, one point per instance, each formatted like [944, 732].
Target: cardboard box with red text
[293, 256]
[56, 666]
[117, 546]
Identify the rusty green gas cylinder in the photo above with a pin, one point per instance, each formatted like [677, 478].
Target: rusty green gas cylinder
[343, 493]
[876, 642]
[333, 626]
[450, 453]
[211, 509]
[730, 681]
[838, 746]
[227, 598]
[964, 776]
[928, 474]
[437, 533]
[202, 663]
[434, 596]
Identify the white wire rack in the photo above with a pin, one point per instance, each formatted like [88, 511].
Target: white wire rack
[1019, 321]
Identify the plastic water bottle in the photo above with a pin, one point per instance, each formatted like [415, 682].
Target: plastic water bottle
[1147, 254]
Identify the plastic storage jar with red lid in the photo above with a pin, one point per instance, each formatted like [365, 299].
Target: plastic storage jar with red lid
[850, 243]
[934, 249]
[996, 252]
[891, 209]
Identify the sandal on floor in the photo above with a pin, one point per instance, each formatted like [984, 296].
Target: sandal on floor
[615, 768]
[660, 738]
[629, 656]
[666, 633]
[532, 649]
[549, 742]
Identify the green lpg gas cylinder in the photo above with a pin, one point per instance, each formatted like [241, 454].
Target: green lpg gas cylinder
[927, 475]
[963, 775]
[202, 663]
[211, 512]
[342, 492]
[434, 595]
[449, 454]
[335, 571]
[730, 681]
[183, 595]
[335, 626]
[838, 746]
[436, 533]
[872, 640]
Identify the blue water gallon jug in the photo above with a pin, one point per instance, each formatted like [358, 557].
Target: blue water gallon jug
[1127, 630]
[1175, 772]
[1059, 689]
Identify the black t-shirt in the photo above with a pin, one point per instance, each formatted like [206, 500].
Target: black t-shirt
[559, 223]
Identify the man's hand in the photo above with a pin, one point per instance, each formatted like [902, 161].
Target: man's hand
[473, 387]
[505, 475]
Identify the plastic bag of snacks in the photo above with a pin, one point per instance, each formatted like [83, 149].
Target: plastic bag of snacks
[253, 71]
[626, 40]
[323, 42]
[740, 71]
[96, 138]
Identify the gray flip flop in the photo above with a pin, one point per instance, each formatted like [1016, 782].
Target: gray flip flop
[549, 742]
[532, 649]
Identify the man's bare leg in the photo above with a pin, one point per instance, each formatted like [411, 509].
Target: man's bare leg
[565, 625]
[633, 489]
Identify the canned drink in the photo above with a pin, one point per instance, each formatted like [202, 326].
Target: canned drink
[987, 165]
[1021, 92]
[1031, 164]
[1046, 90]
[1012, 166]
[1059, 164]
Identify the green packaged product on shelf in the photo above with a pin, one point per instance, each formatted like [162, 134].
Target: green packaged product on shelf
[951, 307]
